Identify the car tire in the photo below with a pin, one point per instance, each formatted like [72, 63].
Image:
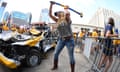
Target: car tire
[33, 58]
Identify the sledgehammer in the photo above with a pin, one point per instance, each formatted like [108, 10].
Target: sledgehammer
[81, 14]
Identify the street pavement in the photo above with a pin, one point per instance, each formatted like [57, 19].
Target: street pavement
[82, 65]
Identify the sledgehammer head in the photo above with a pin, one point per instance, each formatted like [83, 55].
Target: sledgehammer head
[81, 15]
[52, 2]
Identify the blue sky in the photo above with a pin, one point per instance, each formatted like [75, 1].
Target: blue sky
[88, 7]
[109, 4]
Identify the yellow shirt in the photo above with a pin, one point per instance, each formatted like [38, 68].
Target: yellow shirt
[116, 42]
[94, 34]
[13, 28]
[81, 34]
[5, 27]
[74, 35]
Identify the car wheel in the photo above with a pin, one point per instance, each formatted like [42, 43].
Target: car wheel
[33, 58]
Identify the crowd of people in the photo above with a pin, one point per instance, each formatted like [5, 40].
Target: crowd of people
[66, 38]
[111, 46]
[63, 21]
[80, 38]
[5, 27]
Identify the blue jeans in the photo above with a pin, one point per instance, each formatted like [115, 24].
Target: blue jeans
[70, 46]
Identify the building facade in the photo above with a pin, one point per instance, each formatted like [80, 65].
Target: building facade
[100, 18]
[2, 8]
[77, 27]
[44, 17]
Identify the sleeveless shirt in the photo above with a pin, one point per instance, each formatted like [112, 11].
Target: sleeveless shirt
[64, 30]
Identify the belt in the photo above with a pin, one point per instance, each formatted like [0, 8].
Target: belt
[67, 38]
[108, 48]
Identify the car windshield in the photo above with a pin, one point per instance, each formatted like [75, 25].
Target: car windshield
[20, 15]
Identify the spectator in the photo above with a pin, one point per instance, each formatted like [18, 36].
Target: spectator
[95, 41]
[81, 36]
[5, 27]
[108, 51]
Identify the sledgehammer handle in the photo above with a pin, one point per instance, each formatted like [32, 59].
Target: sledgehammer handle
[81, 14]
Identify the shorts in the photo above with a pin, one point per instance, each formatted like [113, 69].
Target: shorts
[108, 50]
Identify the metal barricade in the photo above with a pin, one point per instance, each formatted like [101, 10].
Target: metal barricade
[79, 44]
[95, 58]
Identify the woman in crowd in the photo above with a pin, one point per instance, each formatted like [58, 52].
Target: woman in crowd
[108, 50]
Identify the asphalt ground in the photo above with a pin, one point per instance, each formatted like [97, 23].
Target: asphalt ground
[82, 65]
